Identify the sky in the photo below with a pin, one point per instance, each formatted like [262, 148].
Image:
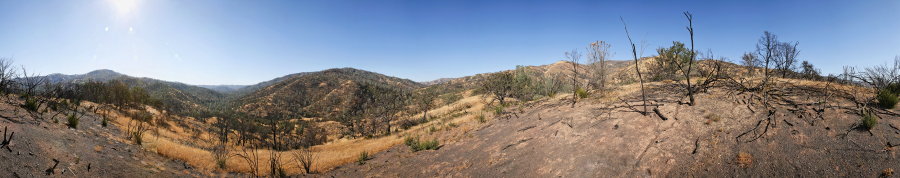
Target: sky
[245, 42]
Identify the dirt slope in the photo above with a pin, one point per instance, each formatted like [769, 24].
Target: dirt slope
[605, 138]
[89, 151]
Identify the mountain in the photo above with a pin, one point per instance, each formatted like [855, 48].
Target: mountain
[324, 94]
[224, 88]
[101, 75]
[178, 97]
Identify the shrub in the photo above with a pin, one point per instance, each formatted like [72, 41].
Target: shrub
[104, 122]
[480, 118]
[498, 109]
[429, 145]
[869, 121]
[453, 125]
[417, 145]
[30, 104]
[581, 93]
[220, 163]
[136, 137]
[363, 157]
[73, 121]
[410, 141]
[893, 88]
[887, 99]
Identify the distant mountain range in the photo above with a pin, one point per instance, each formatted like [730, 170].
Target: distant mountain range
[325, 94]
[322, 94]
[224, 88]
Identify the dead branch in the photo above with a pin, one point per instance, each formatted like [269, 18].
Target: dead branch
[656, 110]
[50, 171]
[6, 140]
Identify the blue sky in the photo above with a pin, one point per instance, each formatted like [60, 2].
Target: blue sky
[245, 42]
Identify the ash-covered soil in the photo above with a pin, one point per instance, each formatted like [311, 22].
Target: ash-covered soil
[726, 134]
[88, 151]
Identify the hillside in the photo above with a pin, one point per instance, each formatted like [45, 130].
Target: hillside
[177, 97]
[325, 94]
[90, 150]
[726, 134]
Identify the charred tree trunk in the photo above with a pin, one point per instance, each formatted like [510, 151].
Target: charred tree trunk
[636, 68]
[687, 74]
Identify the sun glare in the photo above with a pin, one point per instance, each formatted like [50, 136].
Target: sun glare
[123, 7]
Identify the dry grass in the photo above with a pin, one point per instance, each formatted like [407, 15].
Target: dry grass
[710, 118]
[744, 159]
[169, 142]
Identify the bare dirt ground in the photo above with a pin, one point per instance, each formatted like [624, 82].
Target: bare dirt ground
[88, 151]
[727, 134]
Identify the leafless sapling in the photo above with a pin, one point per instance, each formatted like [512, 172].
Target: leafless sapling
[693, 53]
[636, 68]
[573, 57]
[598, 52]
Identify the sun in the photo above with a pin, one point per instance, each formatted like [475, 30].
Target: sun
[123, 7]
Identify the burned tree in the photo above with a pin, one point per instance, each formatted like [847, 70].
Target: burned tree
[636, 68]
[573, 57]
[7, 139]
[787, 57]
[306, 159]
[598, 52]
[808, 70]
[749, 60]
[7, 75]
[687, 73]
[767, 49]
[29, 87]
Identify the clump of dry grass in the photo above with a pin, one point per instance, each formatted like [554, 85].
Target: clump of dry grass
[744, 159]
[710, 118]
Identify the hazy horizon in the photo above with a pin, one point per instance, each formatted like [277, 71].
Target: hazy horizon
[243, 43]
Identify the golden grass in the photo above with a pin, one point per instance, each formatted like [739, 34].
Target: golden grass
[169, 142]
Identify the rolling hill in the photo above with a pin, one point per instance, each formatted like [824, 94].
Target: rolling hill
[325, 94]
[178, 97]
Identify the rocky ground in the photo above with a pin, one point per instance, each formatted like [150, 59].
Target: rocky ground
[727, 134]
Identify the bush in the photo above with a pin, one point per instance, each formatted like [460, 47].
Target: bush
[363, 157]
[893, 88]
[104, 122]
[73, 121]
[498, 109]
[887, 99]
[417, 145]
[410, 141]
[869, 121]
[429, 145]
[136, 137]
[480, 118]
[30, 104]
[581, 93]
